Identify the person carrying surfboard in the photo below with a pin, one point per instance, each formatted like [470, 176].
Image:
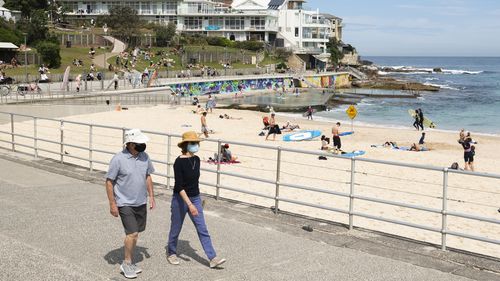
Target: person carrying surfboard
[416, 123]
[421, 118]
[336, 138]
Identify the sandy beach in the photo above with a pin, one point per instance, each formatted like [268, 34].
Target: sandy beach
[467, 194]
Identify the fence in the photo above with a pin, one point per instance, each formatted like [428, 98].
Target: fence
[427, 203]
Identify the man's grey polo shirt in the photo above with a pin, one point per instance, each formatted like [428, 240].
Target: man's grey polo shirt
[128, 174]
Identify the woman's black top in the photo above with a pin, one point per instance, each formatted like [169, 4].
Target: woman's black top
[187, 175]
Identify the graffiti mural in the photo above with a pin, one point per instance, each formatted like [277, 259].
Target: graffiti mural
[319, 81]
[230, 86]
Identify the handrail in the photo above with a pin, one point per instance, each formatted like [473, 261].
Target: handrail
[23, 139]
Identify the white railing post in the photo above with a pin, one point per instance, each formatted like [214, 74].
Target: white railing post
[62, 141]
[351, 194]
[444, 215]
[218, 159]
[35, 138]
[169, 144]
[278, 172]
[12, 132]
[91, 147]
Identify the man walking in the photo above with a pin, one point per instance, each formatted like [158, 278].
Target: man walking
[336, 138]
[128, 186]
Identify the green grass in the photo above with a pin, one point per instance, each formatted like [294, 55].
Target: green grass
[67, 56]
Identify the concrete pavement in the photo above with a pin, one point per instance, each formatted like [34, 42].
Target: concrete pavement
[57, 227]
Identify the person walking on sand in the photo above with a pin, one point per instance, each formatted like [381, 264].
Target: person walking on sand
[186, 200]
[129, 186]
[273, 128]
[417, 121]
[309, 113]
[336, 138]
[421, 118]
[469, 153]
[204, 127]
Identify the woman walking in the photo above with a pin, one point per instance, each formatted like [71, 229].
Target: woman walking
[186, 199]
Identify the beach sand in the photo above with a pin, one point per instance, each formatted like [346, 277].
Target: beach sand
[467, 194]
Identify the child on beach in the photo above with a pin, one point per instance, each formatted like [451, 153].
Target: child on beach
[204, 127]
[325, 142]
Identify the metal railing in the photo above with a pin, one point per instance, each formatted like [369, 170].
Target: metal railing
[53, 138]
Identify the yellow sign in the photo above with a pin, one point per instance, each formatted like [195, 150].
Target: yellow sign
[352, 112]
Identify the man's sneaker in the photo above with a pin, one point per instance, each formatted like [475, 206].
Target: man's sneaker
[136, 268]
[215, 262]
[173, 259]
[128, 270]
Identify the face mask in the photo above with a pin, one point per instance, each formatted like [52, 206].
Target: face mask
[140, 147]
[193, 148]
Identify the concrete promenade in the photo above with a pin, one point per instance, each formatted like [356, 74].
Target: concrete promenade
[56, 226]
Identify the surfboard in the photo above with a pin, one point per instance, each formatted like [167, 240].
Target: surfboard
[152, 79]
[346, 134]
[427, 122]
[302, 135]
[353, 154]
[64, 85]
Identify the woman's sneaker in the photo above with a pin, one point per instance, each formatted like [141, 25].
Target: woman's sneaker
[215, 262]
[128, 270]
[172, 259]
[136, 268]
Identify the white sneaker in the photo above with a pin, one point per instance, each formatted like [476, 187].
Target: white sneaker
[128, 270]
[173, 259]
[215, 262]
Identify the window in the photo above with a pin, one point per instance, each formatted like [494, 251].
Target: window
[193, 23]
[258, 23]
[169, 7]
[296, 32]
[235, 23]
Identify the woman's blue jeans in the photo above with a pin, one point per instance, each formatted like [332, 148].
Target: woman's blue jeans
[179, 210]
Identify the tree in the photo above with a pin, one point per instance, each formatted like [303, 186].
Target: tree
[335, 50]
[35, 27]
[26, 6]
[8, 33]
[123, 20]
[49, 51]
[165, 34]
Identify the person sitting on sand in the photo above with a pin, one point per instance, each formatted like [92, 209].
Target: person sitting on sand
[325, 142]
[289, 127]
[227, 156]
[421, 141]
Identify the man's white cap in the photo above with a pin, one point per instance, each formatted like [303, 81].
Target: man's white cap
[135, 136]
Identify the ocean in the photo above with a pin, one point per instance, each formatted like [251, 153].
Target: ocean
[469, 97]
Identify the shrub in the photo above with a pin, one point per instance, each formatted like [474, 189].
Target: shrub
[49, 52]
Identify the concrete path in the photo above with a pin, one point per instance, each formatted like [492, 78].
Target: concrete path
[59, 228]
[118, 47]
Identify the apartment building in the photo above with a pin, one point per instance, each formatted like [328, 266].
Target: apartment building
[285, 23]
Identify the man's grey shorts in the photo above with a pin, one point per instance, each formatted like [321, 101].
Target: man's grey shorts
[133, 218]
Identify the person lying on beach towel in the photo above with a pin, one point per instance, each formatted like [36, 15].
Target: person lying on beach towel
[415, 147]
[390, 144]
[225, 116]
[289, 127]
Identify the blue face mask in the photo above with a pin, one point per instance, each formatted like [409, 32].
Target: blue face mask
[193, 147]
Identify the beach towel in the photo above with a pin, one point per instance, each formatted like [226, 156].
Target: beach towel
[212, 161]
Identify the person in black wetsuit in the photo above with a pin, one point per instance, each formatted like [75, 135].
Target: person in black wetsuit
[417, 121]
[421, 118]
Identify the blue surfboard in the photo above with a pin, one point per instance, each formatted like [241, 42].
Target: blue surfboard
[353, 154]
[302, 135]
[346, 134]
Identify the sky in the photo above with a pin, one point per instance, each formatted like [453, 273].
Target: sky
[419, 27]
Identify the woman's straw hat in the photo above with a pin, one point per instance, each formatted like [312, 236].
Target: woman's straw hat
[189, 137]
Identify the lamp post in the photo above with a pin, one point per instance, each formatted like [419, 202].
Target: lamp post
[225, 61]
[25, 59]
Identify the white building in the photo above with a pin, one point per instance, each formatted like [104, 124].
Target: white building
[8, 14]
[285, 23]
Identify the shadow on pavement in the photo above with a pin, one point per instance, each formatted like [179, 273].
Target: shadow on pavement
[116, 256]
[184, 250]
